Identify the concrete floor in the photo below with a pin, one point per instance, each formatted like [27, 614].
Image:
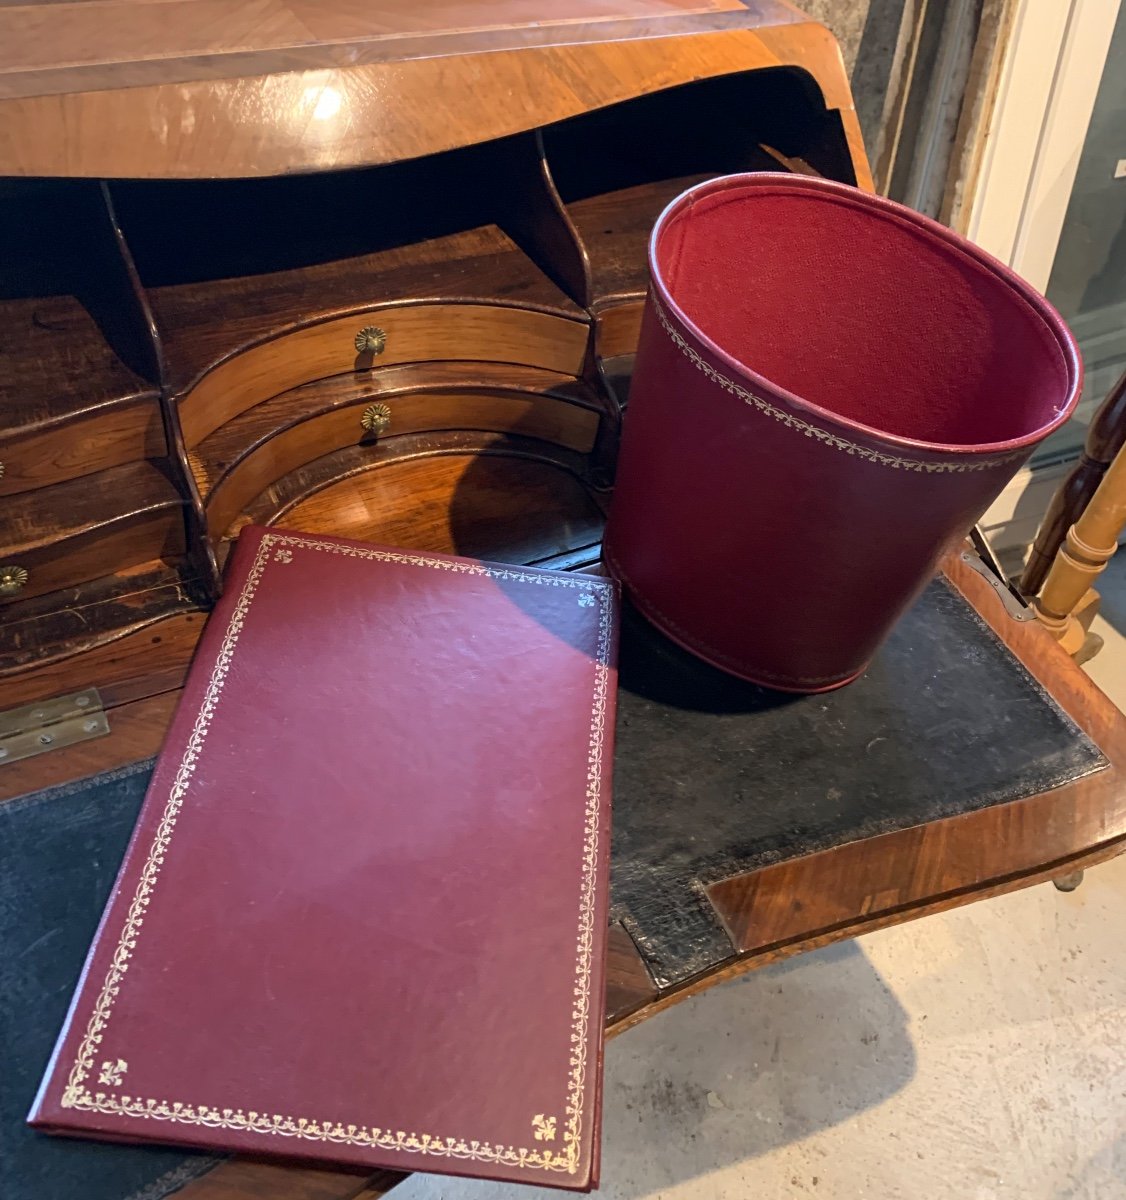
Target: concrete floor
[975, 1055]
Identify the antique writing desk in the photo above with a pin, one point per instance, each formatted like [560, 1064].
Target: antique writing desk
[377, 270]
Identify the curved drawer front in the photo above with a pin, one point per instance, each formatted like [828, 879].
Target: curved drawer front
[530, 415]
[133, 540]
[413, 333]
[92, 441]
[617, 329]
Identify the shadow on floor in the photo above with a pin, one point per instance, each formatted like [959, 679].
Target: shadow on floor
[758, 1063]
[754, 1064]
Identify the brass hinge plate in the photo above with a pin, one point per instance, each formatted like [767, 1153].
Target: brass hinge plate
[1014, 605]
[50, 724]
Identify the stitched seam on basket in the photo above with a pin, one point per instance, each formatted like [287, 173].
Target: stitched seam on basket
[832, 440]
[690, 640]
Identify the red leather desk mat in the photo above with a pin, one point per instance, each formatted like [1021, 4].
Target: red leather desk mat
[362, 917]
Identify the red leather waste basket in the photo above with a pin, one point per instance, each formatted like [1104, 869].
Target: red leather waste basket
[829, 391]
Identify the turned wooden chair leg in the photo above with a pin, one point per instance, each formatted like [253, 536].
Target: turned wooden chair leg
[1105, 437]
[1086, 550]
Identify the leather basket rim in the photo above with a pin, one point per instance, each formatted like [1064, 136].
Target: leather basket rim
[882, 208]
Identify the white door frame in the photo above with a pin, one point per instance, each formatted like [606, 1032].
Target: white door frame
[1054, 64]
[1046, 93]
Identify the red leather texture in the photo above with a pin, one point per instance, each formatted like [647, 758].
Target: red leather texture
[362, 918]
[829, 391]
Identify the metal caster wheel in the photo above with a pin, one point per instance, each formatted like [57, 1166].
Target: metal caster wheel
[1069, 882]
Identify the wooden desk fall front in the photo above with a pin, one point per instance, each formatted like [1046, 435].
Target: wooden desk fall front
[395, 299]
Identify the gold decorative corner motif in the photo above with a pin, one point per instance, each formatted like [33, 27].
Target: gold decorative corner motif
[376, 418]
[112, 1073]
[370, 340]
[586, 600]
[544, 1128]
[283, 556]
[12, 579]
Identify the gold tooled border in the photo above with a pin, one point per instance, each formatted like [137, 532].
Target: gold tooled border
[78, 1096]
[832, 440]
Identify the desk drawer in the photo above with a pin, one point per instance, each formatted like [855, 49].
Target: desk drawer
[617, 329]
[83, 529]
[528, 414]
[410, 333]
[107, 436]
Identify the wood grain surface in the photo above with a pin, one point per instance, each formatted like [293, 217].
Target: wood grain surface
[70, 340]
[35, 521]
[92, 526]
[420, 230]
[137, 662]
[246, 1179]
[458, 504]
[237, 464]
[341, 473]
[49, 629]
[807, 902]
[279, 118]
[617, 329]
[55, 45]
[615, 227]
[506, 200]
[228, 445]
[79, 444]
[614, 177]
[138, 730]
[414, 333]
[526, 413]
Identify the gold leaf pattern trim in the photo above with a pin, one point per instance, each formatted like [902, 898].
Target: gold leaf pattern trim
[832, 440]
[78, 1095]
[113, 1072]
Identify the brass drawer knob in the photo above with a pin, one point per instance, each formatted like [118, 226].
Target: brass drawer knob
[375, 418]
[12, 579]
[370, 340]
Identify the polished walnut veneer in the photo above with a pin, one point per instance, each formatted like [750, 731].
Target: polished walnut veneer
[204, 317]
[137, 88]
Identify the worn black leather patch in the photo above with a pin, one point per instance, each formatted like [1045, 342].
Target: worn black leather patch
[714, 777]
[60, 853]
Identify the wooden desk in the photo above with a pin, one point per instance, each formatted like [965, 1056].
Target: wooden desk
[147, 89]
[137, 443]
[844, 891]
